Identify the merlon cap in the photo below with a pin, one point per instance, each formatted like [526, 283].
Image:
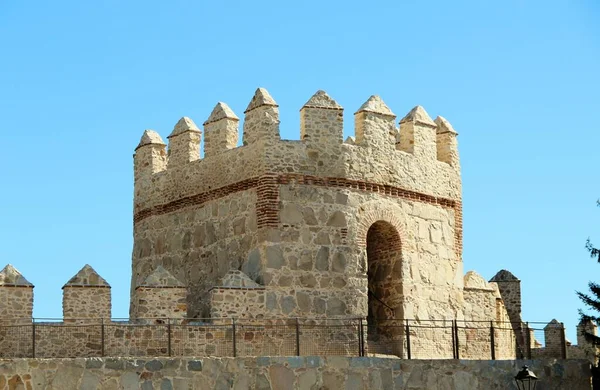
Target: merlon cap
[183, 125]
[221, 111]
[418, 115]
[261, 98]
[322, 100]
[376, 105]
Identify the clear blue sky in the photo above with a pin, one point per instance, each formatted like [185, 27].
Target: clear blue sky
[80, 81]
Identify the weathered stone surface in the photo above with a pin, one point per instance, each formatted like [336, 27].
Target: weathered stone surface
[9, 276]
[150, 137]
[261, 98]
[376, 105]
[221, 111]
[183, 125]
[418, 115]
[87, 276]
[160, 277]
[322, 100]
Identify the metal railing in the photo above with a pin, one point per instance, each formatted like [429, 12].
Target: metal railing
[409, 339]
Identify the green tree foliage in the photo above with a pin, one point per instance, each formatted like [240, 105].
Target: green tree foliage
[591, 300]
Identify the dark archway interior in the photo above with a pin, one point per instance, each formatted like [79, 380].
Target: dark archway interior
[384, 257]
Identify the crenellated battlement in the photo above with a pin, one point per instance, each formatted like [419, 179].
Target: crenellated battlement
[418, 154]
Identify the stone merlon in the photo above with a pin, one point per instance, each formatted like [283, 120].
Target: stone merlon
[504, 276]
[377, 106]
[161, 278]
[418, 115]
[322, 100]
[150, 137]
[221, 111]
[261, 98]
[185, 124]
[87, 277]
[10, 277]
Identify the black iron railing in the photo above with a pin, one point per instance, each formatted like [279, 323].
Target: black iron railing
[407, 338]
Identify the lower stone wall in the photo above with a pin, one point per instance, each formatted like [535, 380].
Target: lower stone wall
[265, 373]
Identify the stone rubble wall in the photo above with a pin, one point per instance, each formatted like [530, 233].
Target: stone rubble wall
[197, 245]
[83, 303]
[301, 373]
[153, 302]
[16, 304]
[237, 302]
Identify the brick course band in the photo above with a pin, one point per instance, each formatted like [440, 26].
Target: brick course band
[267, 188]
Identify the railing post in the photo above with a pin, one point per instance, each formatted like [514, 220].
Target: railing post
[297, 337]
[456, 338]
[408, 340]
[233, 329]
[361, 344]
[492, 340]
[563, 341]
[33, 338]
[102, 337]
[527, 341]
[169, 336]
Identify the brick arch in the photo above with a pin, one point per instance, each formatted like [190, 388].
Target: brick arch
[379, 210]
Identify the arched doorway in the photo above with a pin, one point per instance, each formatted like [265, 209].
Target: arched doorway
[385, 299]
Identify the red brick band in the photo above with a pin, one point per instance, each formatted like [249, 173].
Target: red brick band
[267, 191]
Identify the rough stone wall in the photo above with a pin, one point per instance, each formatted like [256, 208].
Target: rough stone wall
[237, 302]
[16, 304]
[301, 373]
[86, 304]
[198, 245]
[160, 303]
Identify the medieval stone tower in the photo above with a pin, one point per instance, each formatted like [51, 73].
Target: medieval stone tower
[318, 227]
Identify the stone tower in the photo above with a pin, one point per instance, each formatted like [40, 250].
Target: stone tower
[323, 227]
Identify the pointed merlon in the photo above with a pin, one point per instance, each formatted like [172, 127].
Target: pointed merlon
[322, 100]
[418, 115]
[183, 125]
[87, 277]
[504, 276]
[261, 98]
[150, 137]
[553, 324]
[443, 126]
[350, 140]
[238, 279]
[221, 111]
[9, 276]
[161, 278]
[376, 105]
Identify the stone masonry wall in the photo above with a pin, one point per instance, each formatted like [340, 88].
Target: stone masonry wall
[237, 302]
[197, 245]
[85, 304]
[16, 304]
[301, 373]
[160, 303]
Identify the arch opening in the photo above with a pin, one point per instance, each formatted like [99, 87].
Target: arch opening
[385, 296]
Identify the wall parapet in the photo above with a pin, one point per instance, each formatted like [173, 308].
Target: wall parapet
[320, 150]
